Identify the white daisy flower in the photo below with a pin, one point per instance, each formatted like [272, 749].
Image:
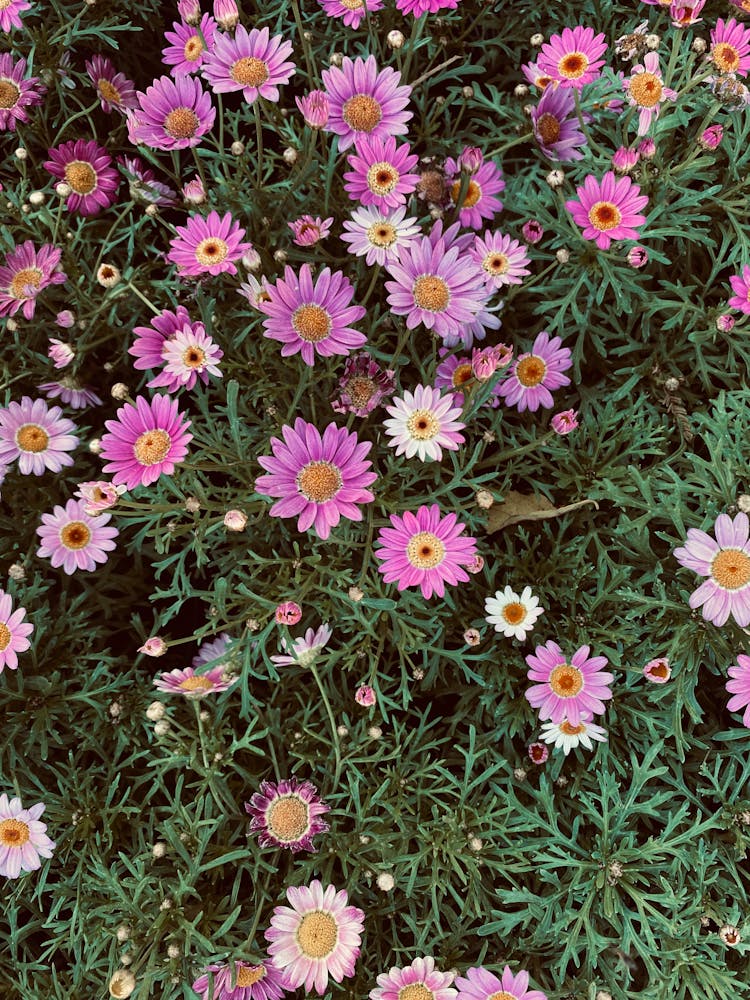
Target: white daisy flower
[424, 422]
[513, 615]
[377, 237]
[564, 734]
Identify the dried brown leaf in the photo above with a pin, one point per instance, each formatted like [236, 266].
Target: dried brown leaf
[518, 507]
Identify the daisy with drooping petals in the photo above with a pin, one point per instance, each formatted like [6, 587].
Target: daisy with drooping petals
[13, 633]
[424, 422]
[481, 984]
[116, 92]
[189, 355]
[380, 173]
[250, 61]
[425, 550]
[207, 246]
[23, 841]
[26, 272]
[316, 937]
[192, 685]
[502, 259]
[741, 287]
[363, 101]
[725, 560]
[172, 114]
[609, 209]
[17, 93]
[567, 735]
[240, 981]
[350, 12]
[37, 435]
[312, 318]
[73, 539]
[646, 91]
[287, 814]
[512, 615]
[378, 237]
[363, 385]
[146, 441]
[418, 981]
[86, 168]
[573, 58]
[739, 687]
[188, 45]
[213, 650]
[567, 689]
[305, 648]
[730, 47]
[479, 200]
[71, 392]
[320, 479]
[557, 129]
[535, 374]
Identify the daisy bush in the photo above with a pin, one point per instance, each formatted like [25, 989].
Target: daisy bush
[374, 495]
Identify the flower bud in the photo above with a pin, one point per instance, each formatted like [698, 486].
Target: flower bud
[365, 696]
[724, 323]
[108, 275]
[122, 984]
[637, 257]
[711, 137]
[395, 39]
[155, 711]
[533, 231]
[237, 148]
[235, 520]
[63, 190]
[226, 13]
[154, 646]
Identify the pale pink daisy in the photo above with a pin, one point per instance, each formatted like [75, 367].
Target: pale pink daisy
[188, 45]
[25, 273]
[741, 287]
[377, 237]
[23, 841]
[60, 353]
[287, 814]
[363, 101]
[536, 374]
[419, 7]
[609, 209]
[502, 259]
[71, 392]
[188, 355]
[646, 91]
[425, 550]
[730, 47]
[305, 648]
[420, 980]
[149, 342]
[479, 201]
[424, 422]
[567, 689]
[308, 230]
[573, 58]
[172, 114]
[725, 560]
[192, 685]
[146, 441]
[17, 93]
[98, 495]
[73, 539]
[315, 938]
[86, 167]
[567, 735]
[207, 246]
[739, 687]
[240, 981]
[250, 61]
[116, 92]
[381, 172]
[14, 632]
[37, 435]
[658, 671]
[350, 12]
[481, 984]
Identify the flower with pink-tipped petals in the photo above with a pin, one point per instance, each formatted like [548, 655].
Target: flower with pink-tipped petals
[567, 689]
[420, 979]
[646, 91]
[363, 101]
[573, 58]
[739, 687]
[725, 560]
[379, 237]
[536, 374]
[683, 13]
[608, 210]
[73, 539]
[23, 841]
[208, 245]
[14, 633]
[188, 46]
[172, 113]
[424, 422]
[305, 648]
[193, 685]
[308, 230]
[240, 980]
[37, 435]
[250, 61]
[98, 495]
[287, 814]
[146, 441]
[315, 108]
[189, 355]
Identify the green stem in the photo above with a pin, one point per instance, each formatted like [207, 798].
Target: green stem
[258, 143]
[199, 165]
[416, 31]
[304, 41]
[371, 286]
[143, 298]
[332, 721]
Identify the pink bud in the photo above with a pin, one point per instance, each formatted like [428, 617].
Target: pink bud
[532, 231]
[235, 520]
[155, 646]
[315, 108]
[470, 160]
[625, 159]
[288, 613]
[226, 14]
[658, 671]
[476, 565]
[538, 753]
[189, 11]
[647, 148]
[65, 319]
[711, 137]
[193, 192]
[724, 323]
[365, 696]
[637, 257]
[99, 495]
[564, 422]
[472, 637]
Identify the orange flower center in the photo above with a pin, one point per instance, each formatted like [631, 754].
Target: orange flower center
[319, 481]
[415, 991]
[193, 357]
[13, 833]
[548, 128]
[196, 684]
[352, 4]
[425, 550]
[249, 975]
[472, 196]
[531, 371]
[725, 57]
[182, 123]
[288, 818]
[566, 681]
[431, 293]
[9, 94]
[25, 282]
[646, 89]
[604, 215]
[382, 178]
[573, 65]
[249, 71]
[381, 234]
[496, 263]
[568, 729]
[514, 613]
[731, 569]
[5, 636]
[423, 425]
[211, 251]
[32, 437]
[462, 374]
[361, 390]
[81, 176]
[312, 323]
[193, 48]
[317, 934]
[152, 447]
[362, 112]
[75, 535]
[109, 92]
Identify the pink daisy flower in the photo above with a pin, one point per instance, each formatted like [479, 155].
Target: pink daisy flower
[26, 272]
[609, 209]
[420, 979]
[23, 841]
[534, 375]
[305, 649]
[479, 201]
[425, 550]
[363, 385]
[730, 47]
[310, 319]
[557, 129]
[10, 15]
[188, 355]
[436, 287]
[38, 436]
[213, 650]
[350, 12]
[308, 231]
[502, 259]
[363, 101]
[207, 246]
[86, 168]
[287, 814]
[240, 981]
[380, 173]
[250, 61]
[481, 984]
[739, 687]
[321, 479]
[573, 58]
[316, 937]
[188, 45]
[378, 237]
[424, 422]
[537, 78]
[567, 690]
[99, 495]
[115, 90]
[646, 91]
[13, 633]
[73, 539]
[192, 685]
[70, 391]
[419, 7]
[172, 114]
[741, 287]
[150, 339]
[725, 560]
[146, 441]
[17, 93]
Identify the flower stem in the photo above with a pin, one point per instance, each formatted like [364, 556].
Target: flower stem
[259, 144]
[332, 721]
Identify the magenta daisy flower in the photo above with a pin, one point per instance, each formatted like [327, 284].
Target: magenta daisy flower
[37, 435]
[730, 47]
[13, 633]
[534, 375]
[479, 201]
[420, 979]
[207, 246]
[172, 114]
[305, 648]
[425, 550]
[725, 560]
[23, 841]
[115, 90]
[424, 422]
[609, 209]
[435, 287]
[741, 287]
[10, 13]
[188, 355]
[646, 91]
[573, 58]
[350, 12]
[146, 441]
[188, 45]
[16, 93]
[310, 319]
[26, 272]
[502, 259]
[481, 984]
[287, 814]
[73, 539]
[363, 101]
[240, 981]
[378, 237]
[192, 685]
[308, 231]
[363, 385]
[739, 687]
[321, 479]
[567, 689]
[70, 391]
[318, 936]
[87, 168]
[250, 61]
[557, 129]
[147, 348]
[380, 173]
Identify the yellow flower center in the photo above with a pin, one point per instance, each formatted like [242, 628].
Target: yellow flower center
[211, 251]
[352, 4]
[32, 437]
[422, 425]
[196, 684]
[382, 178]
[182, 123]
[9, 93]
[362, 112]
[472, 196]
[415, 991]
[646, 89]
[13, 833]
[25, 282]
[193, 357]
[288, 818]
[81, 176]
[731, 569]
[250, 72]
[319, 481]
[5, 636]
[548, 128]
[249, 975]
[570, 730]
[425, 550]
[514, 613]
[496, 263]
[462, 374]
[381, 234]
[152, 447]
[573, 65]
[502, 995]
[361, 390]
[193, 48]
[725, 57]
[317, 934]
[75, 535]
[604, 215]
[531, 371]
[566, 681]
[109, 92]
[431, 293]
[311, 322]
